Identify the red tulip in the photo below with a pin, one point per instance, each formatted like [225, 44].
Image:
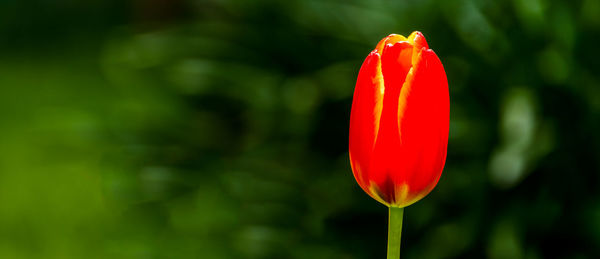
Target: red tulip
[399, 121]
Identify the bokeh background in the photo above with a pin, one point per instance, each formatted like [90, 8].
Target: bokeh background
[218, 129]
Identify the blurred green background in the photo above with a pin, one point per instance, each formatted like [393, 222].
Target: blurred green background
[218, 129]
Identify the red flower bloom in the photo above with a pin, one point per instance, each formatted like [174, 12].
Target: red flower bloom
[399, 122]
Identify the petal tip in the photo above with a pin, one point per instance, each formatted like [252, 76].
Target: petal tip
[418, 39]
[390, 39]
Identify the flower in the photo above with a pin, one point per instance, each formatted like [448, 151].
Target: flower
[399, 121]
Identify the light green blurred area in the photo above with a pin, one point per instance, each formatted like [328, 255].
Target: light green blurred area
[218, 129]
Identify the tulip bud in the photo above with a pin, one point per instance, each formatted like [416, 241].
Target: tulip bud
[399, 121]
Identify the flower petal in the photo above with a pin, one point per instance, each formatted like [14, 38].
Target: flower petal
[390, 39]
[396, 63]
[423, 119]
[364, 119]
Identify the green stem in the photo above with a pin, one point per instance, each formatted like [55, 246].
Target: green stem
[394, 232]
